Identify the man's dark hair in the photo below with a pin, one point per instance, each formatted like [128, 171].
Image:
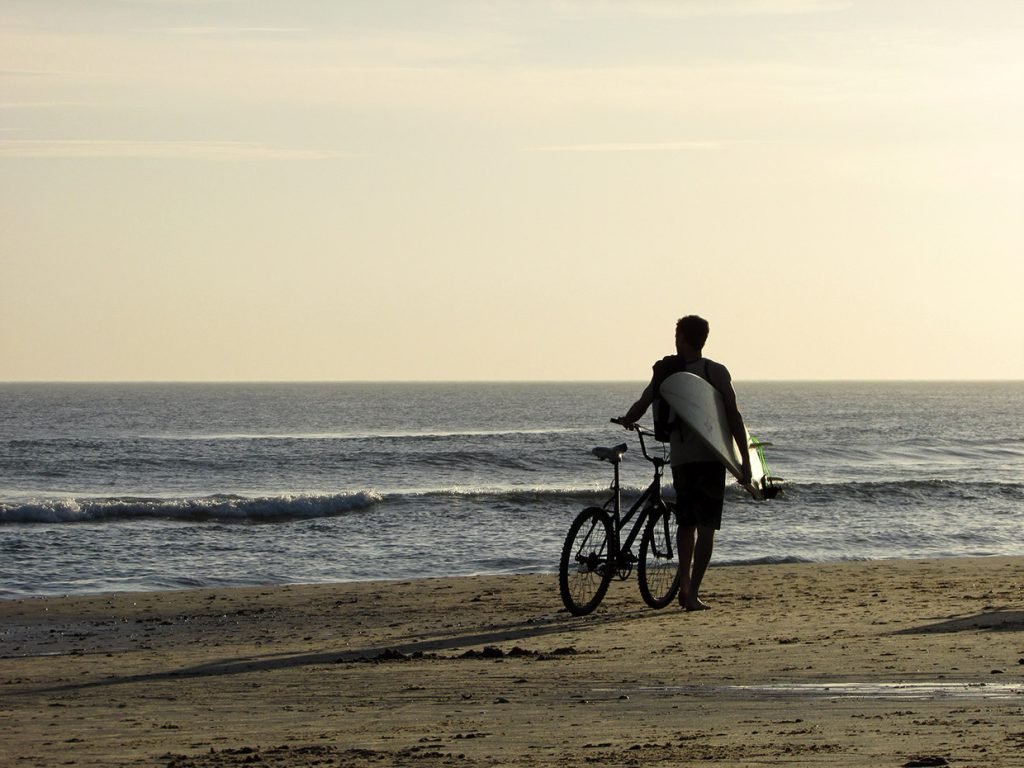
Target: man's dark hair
[693, 330]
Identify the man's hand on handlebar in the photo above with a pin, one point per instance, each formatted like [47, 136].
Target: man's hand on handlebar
[621, 421]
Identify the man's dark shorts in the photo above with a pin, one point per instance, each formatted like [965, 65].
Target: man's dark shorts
[700, 492]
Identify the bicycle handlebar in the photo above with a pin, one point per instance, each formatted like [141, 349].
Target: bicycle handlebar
[641, 432]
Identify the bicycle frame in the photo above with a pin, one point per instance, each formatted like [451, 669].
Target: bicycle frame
[614, 503]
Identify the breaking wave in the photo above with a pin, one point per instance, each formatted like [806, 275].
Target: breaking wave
[224, 508]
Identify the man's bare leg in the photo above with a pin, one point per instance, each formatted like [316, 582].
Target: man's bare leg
[685, 544]
[702, 550]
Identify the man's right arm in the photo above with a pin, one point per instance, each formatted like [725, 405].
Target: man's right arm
[637, 409]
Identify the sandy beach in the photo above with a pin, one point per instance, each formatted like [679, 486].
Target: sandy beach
[891, 663]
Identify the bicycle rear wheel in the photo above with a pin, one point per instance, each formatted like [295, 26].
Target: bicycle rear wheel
[658, 569]
[586, 566]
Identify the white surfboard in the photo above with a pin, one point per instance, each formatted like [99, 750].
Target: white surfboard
[700, 406]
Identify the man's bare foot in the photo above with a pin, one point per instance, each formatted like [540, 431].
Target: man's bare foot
[696, 605]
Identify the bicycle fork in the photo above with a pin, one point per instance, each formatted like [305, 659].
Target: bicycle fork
[615, 546]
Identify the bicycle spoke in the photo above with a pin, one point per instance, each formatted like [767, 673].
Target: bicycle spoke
[658, 570]
[585, 570]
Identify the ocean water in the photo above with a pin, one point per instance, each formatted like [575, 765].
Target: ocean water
[109, 487]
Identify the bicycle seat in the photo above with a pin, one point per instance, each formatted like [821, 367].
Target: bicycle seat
[614, 455]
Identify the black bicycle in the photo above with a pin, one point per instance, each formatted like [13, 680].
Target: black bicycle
[594, 549]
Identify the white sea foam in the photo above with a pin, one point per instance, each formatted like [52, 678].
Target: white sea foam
[217, 508]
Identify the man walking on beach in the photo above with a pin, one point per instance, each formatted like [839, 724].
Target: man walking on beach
[697, 475]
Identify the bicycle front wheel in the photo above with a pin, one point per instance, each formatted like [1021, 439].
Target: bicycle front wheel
[658, 569]
[587, 566]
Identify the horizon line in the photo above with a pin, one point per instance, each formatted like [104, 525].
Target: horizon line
[503, 381]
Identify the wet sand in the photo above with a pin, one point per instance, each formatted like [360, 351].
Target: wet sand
[888, 663]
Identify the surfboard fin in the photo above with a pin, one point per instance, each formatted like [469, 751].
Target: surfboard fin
[770, 490]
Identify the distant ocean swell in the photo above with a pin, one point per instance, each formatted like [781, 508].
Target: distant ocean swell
[167, 463]
[936, 492]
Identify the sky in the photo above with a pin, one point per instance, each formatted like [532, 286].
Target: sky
[334, 190]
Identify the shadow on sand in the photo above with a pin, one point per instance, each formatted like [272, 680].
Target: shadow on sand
[393, 651]
[995, 621]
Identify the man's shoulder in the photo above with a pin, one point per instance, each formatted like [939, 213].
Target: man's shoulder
[718, 376]
[717, 371]
[717, 368]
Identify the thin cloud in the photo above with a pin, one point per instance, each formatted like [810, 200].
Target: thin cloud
[183, 2]
[238, 31]
[25, 73]
[179, 150]
[667, 146]
[700, 8]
